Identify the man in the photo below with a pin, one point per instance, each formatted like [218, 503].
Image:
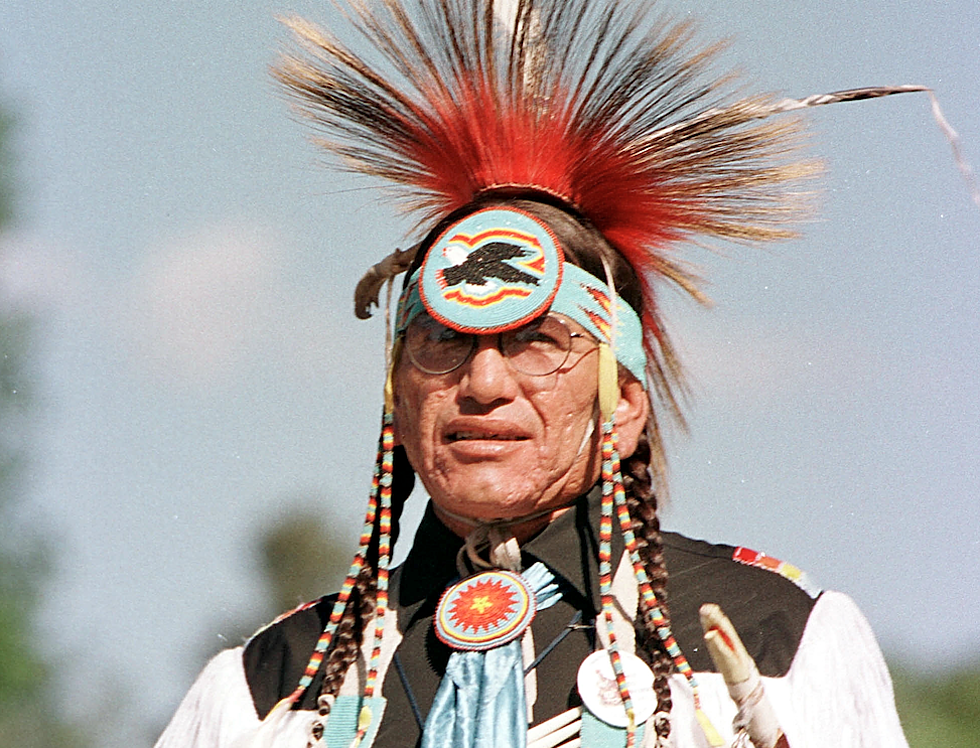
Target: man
[556, 152]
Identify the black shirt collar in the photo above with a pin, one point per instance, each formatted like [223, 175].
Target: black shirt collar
[568, 546]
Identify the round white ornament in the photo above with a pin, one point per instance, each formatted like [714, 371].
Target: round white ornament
[600, 693]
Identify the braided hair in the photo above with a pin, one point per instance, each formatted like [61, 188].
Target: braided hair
[360, 609]
[642, 503]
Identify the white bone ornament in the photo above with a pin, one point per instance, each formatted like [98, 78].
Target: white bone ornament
[558, 732]
[756, 719]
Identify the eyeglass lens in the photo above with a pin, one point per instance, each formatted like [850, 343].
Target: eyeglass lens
[537, 348]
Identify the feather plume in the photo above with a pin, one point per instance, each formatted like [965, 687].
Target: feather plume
[600, 103]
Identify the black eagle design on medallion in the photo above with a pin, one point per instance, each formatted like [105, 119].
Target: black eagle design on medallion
[488, 262]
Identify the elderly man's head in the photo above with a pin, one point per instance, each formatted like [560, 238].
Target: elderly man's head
[505, 424]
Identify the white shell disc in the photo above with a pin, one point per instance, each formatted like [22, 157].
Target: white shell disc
[600, 693]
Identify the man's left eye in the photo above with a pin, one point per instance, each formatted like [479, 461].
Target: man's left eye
[537, 336]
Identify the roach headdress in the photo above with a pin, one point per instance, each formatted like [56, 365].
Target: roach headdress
[602, 107]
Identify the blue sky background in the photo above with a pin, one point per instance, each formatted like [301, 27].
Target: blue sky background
[189, 263]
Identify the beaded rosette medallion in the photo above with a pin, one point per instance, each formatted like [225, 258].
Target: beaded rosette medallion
[485, 611]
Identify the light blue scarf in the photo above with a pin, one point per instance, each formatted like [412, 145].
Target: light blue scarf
[480, 702]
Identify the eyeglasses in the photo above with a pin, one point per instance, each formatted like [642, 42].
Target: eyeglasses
[538, 348]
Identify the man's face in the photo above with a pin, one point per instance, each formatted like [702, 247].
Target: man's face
[489, 442]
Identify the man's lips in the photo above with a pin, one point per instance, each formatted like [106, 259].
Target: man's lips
[462, 431]
[460, 436]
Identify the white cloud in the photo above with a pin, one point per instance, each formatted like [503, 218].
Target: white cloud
[196, 303]
[37, 275]
[222, 303]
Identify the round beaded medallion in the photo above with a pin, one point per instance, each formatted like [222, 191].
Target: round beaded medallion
[492, 271]
[484, 611]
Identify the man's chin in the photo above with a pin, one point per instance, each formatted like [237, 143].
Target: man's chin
[487, 500]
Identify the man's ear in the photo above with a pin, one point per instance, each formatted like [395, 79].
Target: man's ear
[631, 414]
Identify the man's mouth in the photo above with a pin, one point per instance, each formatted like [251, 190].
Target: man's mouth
[459, 436]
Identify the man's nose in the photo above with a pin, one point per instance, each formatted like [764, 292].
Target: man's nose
[487, 375]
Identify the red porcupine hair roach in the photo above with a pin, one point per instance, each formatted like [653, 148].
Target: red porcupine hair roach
[604, 106]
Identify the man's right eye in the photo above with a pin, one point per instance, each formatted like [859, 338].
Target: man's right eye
[444, 335]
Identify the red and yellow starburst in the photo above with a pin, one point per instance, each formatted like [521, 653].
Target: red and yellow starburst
[484, 611]
[483, 605]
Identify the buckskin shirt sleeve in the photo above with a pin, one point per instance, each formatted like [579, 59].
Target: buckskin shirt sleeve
[836, 694]
[218, 709]
[838, 689]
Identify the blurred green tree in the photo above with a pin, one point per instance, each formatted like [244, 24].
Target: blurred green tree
[303, 558]
[29, 716]
[941, 709]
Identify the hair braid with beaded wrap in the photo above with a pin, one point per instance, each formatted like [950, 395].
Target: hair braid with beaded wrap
[642, 504]
[360, 610]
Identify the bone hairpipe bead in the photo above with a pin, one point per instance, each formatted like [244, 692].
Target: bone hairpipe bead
[755, 714]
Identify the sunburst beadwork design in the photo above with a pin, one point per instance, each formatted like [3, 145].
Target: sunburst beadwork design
[485, 611]
[483, 605]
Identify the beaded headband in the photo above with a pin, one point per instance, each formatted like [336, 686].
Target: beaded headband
[499, 268]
